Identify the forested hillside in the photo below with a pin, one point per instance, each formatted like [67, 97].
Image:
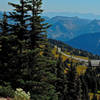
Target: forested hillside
[71, 50]
[28, 68]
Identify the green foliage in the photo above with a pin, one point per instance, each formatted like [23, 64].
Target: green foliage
[6, 91]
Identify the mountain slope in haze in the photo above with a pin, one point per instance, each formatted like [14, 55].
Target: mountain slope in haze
[66, 28]
[89, 42]
[92, 27]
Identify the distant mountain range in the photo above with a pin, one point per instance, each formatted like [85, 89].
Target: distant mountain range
[66, 28]
[72, 14]
[89, 42]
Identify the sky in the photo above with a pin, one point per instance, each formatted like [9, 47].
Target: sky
[81, 6]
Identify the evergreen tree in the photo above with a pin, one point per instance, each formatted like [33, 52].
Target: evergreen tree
[73, 89]
[19, 17]
[7, 48]
[84, 86]
[3, 33]
[3, 45]
[42, 77]
[37, 25]
[34, 72]
[60, 83]
[4, 26]
[91, 79]
[79, 89]
[19, 27]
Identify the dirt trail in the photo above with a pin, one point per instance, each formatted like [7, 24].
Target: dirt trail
[3, 99]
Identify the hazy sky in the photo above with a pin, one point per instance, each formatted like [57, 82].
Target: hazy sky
[82, 6]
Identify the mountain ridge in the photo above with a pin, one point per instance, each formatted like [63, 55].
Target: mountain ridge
[66, 27]
[72, 14]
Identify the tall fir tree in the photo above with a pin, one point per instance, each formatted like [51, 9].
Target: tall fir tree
[72, 84]
[7, 48]
[91, 79]
[3, 33]
[60, 83]
[79, 88]
[37, 25]
[19, 27]
[4, 26]
[3, 45]
[19, 17]
[85, 90]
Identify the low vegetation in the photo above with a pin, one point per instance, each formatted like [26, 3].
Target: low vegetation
[20, 94]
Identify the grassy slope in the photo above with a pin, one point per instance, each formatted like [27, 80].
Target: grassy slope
[80, 69]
